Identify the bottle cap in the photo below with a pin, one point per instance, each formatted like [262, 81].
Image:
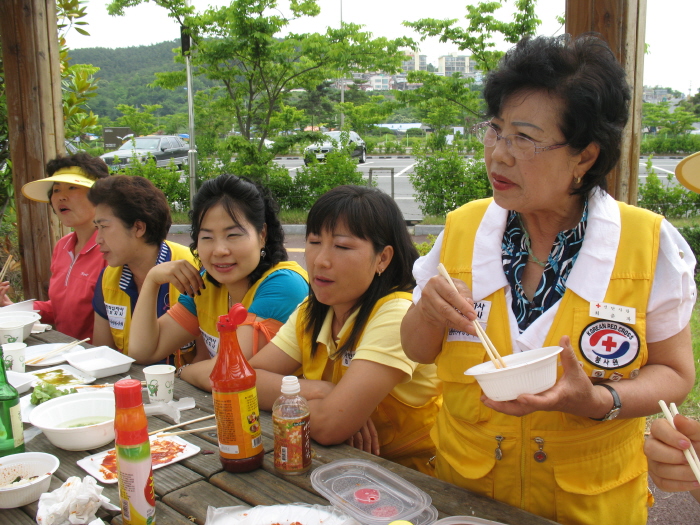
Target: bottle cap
[229, 322]
[127, 393]
[290, 385]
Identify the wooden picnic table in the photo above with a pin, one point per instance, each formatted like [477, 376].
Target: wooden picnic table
[186, 489]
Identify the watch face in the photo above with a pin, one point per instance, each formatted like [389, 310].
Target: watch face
[612, 414]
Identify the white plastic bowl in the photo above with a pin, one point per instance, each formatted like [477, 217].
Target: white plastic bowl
[529, 372]
[100, 362]
[76, 408]
[26, 465]
[23, 306]
[26, 319]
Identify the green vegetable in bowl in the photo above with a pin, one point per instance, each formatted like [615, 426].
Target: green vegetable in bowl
[45, 391]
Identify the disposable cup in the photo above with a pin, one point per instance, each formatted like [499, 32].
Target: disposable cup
[11, 333]
[13, 355]
[160, 380]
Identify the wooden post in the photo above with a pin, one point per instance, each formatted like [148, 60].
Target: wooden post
[34, 106]
[622, 24]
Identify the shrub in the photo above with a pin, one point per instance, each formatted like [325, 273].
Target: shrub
[670, 200]
[167, 179]
[447, 180]
[424, 247]
[692, 236]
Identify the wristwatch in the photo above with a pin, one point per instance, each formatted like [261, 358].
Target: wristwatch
[617, 405]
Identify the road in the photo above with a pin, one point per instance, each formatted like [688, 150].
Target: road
[403, 166]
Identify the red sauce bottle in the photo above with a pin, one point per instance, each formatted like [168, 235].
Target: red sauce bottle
[235, 399]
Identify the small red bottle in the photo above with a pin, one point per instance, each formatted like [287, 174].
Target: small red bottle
[235, 399]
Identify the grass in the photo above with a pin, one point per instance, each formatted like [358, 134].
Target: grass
[433, 220]
[691, 406]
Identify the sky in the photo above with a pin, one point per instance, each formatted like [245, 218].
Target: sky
[671, 29]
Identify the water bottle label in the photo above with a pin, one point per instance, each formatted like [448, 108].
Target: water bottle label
[292, 443]
[136, 491]
[17, 426]
[238, 423]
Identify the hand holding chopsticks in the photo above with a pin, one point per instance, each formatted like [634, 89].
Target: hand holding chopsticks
[54, 352]
[488, 345]
[690, 454]
[5, 267]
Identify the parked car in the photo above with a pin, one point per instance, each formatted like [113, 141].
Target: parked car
[163, 148]
[335, 139]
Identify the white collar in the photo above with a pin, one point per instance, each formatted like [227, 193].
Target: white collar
[590, 275]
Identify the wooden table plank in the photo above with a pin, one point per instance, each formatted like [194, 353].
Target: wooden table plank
[261, 487]
[164, 515]
[193, 501]
[16, 517]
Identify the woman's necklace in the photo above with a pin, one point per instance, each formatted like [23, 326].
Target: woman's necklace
[528, 246]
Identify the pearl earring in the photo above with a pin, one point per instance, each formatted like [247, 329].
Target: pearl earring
[263, 253]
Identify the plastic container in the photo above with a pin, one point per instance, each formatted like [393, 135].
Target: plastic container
[22, 306]
[290, 424]
[60, 418]
[529, 372]
[235, 399]
[137, 496]
[100, 362]
[371, 494]
[25, 465]
[466, 520]
[25, 319]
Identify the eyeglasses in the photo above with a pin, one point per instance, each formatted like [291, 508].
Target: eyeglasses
[519, 147]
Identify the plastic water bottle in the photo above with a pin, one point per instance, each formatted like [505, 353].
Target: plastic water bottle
[290, 423]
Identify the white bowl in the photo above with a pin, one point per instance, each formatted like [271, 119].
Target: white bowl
[23, 306]
[26, 319]
[26, 465]
[100, 362]
[529, 372]
[52, 417]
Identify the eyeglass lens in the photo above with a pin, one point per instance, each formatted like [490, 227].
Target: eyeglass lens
[519, 147]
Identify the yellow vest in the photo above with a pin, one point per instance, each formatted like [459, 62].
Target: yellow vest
[594, 472]
[118, 302]
[214, 302]
[404, 430]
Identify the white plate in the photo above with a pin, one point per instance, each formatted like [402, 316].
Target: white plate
[92, 464]
[78, 377]
[282, 514]
[27, 407]
[21, 382]
[37, 350]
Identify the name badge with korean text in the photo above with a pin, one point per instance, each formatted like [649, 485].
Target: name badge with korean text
[613, 312]
[483, 309]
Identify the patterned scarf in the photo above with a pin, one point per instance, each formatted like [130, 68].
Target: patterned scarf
[514, 254]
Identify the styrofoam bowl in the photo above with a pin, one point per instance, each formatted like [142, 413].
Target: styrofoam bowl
[25, 465]
[80, 407]
[101, 361]
[23, 306]
[529, 372]
[25, 319]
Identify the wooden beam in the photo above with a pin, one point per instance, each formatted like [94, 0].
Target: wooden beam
[621, 23]
[32, 78]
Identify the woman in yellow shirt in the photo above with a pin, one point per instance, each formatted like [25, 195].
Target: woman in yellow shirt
[361, 387]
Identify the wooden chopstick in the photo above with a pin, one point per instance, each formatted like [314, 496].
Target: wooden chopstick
[104, 385]
[674, 412]
[193, 431]
[493, 354]
[55, 351]
[182, 424]
[691, 458]
[5, 267]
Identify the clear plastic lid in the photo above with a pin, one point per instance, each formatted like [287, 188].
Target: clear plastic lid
[371, 494]
[466, 520]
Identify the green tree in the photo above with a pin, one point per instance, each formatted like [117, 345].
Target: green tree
[362, 118]
[316, 104]
[141, 122]
[660, 117]
[240, 46]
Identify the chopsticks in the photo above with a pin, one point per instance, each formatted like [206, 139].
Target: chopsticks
[493, 354]
[55, 351]
[690, 454]
[104, 385]
[193, 431]
[210, 416]
[5, 267]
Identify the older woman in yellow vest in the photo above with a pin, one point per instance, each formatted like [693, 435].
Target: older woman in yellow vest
[239, 242]
[133, 219]
[360, 385]
[538, 261]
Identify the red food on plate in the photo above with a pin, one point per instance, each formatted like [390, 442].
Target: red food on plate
[386, 511]
[367, 496]
[162, 451]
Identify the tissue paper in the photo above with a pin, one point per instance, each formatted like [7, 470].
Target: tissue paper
[74, 502]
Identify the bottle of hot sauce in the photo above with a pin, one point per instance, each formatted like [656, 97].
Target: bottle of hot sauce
[133, 451]
[235, 399]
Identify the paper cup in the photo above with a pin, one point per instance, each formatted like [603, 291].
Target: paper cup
[11, 333]
[13, 355]
[160, 380]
